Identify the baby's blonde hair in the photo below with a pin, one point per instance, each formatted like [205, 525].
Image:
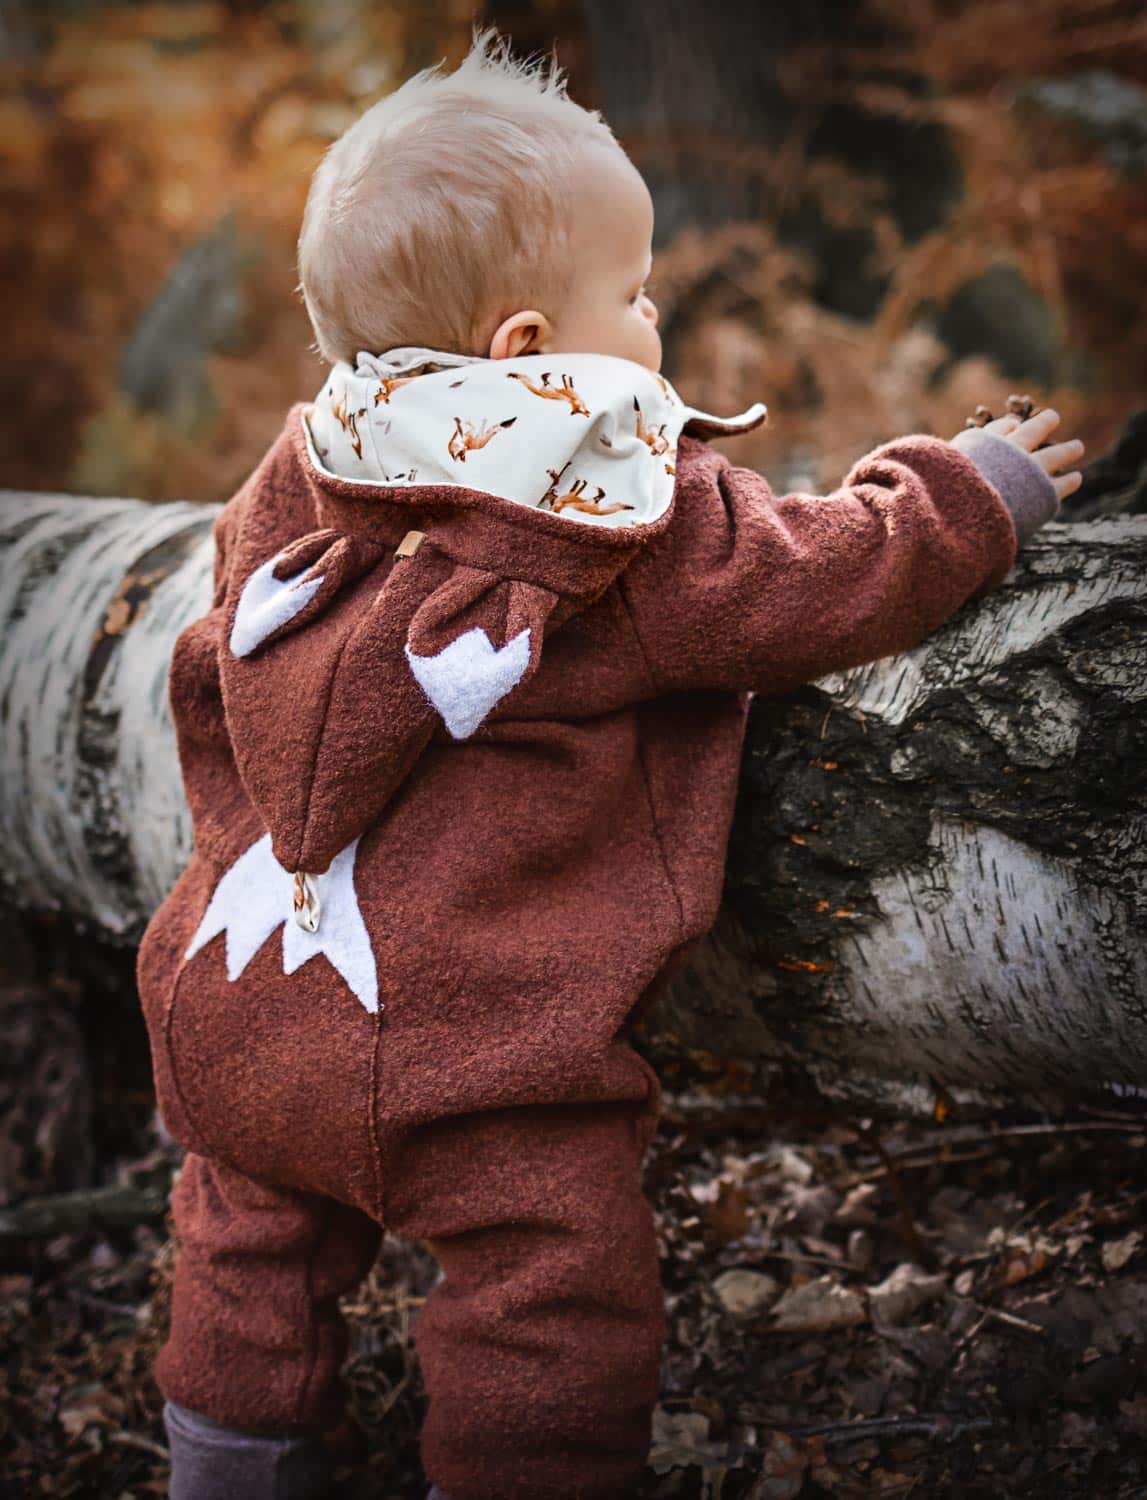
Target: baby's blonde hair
[445, 206]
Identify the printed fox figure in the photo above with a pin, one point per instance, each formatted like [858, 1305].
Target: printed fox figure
[387, 388]
[666, 389]
[466, 437]
[653, 438]
[573, 499]
[348, 421]
[566, 392]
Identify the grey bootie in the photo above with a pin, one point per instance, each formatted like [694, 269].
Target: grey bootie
[213, 1462]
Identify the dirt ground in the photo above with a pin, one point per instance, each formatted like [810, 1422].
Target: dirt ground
[948, 1310]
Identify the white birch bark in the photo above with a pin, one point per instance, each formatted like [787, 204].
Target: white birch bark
[937, 884]
[92, 596]
[936, 878]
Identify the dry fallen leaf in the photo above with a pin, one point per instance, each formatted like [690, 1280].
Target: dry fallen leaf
[793, 1166]
[782, 1469]
[89, 1403]
[861, 1249]
[1116, 1253]
[676, 1436]
[859, 1206]
[816, 1307]
[724, 1206]
[904, 1290]
[1026, 1255]
[681, 1440]
[744, 1293]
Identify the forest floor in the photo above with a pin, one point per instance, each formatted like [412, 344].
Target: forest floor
[940, 1310]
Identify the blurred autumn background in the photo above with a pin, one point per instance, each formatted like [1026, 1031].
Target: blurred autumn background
[872, 214]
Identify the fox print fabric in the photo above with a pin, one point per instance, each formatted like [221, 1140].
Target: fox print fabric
[587, 437]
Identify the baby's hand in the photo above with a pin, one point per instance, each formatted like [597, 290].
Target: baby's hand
[1028, 435]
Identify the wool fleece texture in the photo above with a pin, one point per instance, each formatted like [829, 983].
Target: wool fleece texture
[461, 802]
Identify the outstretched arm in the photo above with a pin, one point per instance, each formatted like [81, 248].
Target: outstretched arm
[753, 591]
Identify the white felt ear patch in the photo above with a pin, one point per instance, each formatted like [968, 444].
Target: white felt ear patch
[468, 677]
[257, 894]
[266, 602]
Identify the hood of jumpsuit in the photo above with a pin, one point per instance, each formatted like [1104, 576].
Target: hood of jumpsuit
[461, 509]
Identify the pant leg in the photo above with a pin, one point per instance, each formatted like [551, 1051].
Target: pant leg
[256, 1338]
[213, 1462]
[541, 1348]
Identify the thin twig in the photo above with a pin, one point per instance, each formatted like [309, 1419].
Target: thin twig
[937, 1426]
[932, 1384]
[908, 1224]
[1027, 1214]
[1016, 1322]
[145, 1445]
[116, 1207]
[816, 1260]
[103, 1304]
[908, 1157]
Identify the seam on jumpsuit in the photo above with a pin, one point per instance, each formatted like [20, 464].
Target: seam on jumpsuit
[372, 1119]
[311, 1352]
[650, 801]
[296, 861]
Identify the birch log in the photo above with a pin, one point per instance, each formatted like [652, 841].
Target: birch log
[92, 596]
[935, 888]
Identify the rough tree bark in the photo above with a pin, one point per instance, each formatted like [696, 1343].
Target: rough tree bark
[935, 889]
[937, 883]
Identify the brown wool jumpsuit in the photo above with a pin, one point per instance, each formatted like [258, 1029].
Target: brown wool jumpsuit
[509, 901]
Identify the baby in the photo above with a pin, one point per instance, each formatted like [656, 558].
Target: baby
[460, 738]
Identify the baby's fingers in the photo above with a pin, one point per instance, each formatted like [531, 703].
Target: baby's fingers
[1067, 484]
[1035, 430]
[1058, 455]
[1002, 425]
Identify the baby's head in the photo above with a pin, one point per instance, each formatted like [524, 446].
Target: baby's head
[483, 212]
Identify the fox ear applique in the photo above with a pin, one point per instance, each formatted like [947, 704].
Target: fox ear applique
[267, 603]
[452, 649]
[467, 678]
[296, 585]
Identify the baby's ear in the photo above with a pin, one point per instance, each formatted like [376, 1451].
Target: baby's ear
[522, 332]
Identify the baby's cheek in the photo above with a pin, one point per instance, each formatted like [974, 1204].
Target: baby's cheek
[647, 346]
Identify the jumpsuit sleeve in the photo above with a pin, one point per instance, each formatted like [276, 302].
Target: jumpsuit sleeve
[751, 591]
[335, 662]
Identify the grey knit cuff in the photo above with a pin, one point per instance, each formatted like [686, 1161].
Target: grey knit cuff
[213, 1462]
[1026, 487]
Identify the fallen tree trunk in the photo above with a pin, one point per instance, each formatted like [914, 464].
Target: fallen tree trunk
[935, 890]
[937, 882]
[92, 596]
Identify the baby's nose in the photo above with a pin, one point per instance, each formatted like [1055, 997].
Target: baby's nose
[649, 308]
